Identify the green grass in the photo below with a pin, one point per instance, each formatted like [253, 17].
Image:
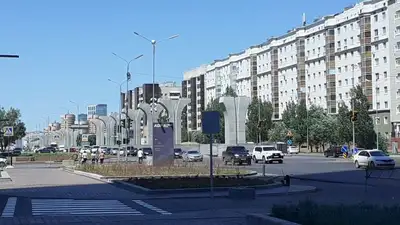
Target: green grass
[310, 213]
[138, 170]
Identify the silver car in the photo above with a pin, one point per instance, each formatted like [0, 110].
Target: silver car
[192, 156]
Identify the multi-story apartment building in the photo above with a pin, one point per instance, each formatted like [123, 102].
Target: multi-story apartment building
[99, 110]
[193, 88]
[319, 63]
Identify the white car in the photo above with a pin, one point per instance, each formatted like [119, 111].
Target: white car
[3, 162]
[95, 149]
[293, 150]
[267, 154]
[373, 159]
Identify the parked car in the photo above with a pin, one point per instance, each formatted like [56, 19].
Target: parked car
[103, 149]
[236, 154]
[334, 151]
[132, 150]
[192, 156]
[114, 151]
[3, 162]
[17, 151]
[178, 153]
[293, 149]
[147, 151]
[95, 148]
[373, 159]
[267, 154]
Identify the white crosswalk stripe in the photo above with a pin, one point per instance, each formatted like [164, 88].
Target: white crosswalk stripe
[9, 209]
[54, 207]
[151, 207]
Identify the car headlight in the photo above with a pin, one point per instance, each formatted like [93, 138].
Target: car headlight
[236, 155]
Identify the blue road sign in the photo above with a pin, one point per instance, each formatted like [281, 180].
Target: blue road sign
[289, 142]
[210, 122]
[344, 148]
[355, 150]
[8, 131]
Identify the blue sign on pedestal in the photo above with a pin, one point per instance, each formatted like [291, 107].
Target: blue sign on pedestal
[355, 150]
[163, 142]
[289, 142]
[210, 122]
[344, 148]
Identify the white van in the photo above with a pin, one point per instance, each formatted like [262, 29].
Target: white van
[267, 154]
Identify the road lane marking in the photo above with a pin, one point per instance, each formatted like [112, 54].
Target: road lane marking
[62, 207]
[9, 209]
[151, 207]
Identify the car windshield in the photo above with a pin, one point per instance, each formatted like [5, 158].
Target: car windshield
[238, 149]
[177, 150]
[147, 149]
[377, 153]
[193, 152]
[269, 148]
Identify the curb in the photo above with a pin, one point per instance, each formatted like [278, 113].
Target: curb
[147, 191]
[260, 219]
[330, 181]
[4, 176]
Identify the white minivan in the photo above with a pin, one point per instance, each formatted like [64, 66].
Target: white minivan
[293, 149]
[267, 154]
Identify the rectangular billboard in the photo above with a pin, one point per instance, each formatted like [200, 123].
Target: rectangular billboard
[163, 142]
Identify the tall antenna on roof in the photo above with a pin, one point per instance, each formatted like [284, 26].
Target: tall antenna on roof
[304, 19]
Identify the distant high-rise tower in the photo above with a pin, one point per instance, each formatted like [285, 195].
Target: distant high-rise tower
[304, 19]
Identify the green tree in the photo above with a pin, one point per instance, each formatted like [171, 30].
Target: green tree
[259, 120]
[92, 140]
[344, 129]
[295, 119]
[383, 143]
[278, 132]
[79, 140]
[364, 126]
[316, 119]
[184, 130]
[11, 117]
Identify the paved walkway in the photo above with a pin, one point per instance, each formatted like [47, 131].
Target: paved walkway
[41, 181]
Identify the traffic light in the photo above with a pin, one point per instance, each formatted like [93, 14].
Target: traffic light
[354, 116]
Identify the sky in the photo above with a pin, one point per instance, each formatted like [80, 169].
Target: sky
[66, 47]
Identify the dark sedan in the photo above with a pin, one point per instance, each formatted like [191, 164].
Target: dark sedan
[147, 151]
[178, 153]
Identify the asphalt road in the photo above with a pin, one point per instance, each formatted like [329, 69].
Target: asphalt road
[46, 188]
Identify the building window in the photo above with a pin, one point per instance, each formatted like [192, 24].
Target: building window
[398, 77]
[398, 93]
[384, 30]
[378, 105]
[397, 14]
[386, 105]
[385, 120]
[385, 74]
[376, 18]
[377, 120]
[383, 15]
[386, 89]
[398, 61]
[384, 60]
[398, 109]
[376, 32]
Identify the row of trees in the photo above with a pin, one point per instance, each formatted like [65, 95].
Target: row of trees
[11, 117]
[320, 128]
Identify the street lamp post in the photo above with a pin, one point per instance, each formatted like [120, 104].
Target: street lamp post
[352, 110]
[128, 78]
[119, 114]
[77, 107]
[154, 43]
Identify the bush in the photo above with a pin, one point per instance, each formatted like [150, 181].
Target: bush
[310, 213]
[133, 170]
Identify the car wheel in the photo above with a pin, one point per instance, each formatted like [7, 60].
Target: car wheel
[326, 155]
[280, 161]
[371, 165]
[357, 164]
[255, 159]
[263, 159]
[2, 164]
[249, 162]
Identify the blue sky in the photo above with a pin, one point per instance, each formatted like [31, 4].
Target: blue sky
[65, 46]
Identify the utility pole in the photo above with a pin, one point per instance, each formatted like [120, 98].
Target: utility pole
[353, 113]
[259, 120]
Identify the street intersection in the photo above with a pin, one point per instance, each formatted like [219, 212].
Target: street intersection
[44, 194]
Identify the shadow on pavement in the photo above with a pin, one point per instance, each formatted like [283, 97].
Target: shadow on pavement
[377, 178]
